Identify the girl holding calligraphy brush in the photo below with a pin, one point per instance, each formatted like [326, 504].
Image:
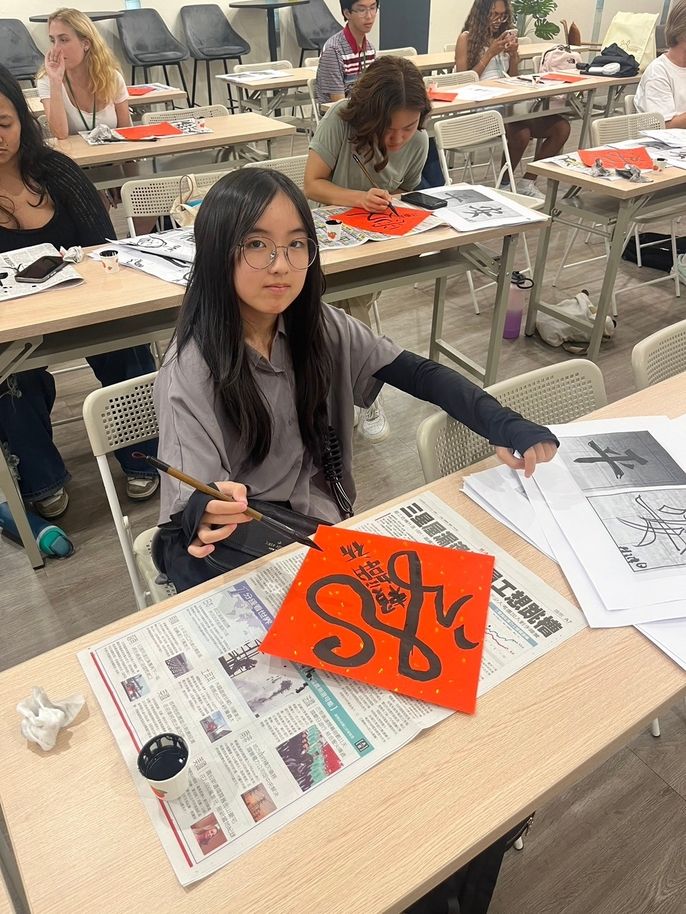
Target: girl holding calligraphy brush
[260, 369]
[366, 149]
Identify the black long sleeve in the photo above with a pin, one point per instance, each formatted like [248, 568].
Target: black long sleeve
[69, 184]
[464, 401]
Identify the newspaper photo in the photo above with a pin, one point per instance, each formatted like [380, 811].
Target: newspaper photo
[11, 261]
[269, 739]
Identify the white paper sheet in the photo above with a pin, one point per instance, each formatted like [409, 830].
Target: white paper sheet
[22, 257]
[473, 206]
[671, 137]
[475, 93]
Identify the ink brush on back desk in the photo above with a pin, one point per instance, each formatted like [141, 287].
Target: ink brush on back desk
[358, 161]
[275, 525]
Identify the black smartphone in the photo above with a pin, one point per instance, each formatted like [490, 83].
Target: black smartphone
[40, 269]
[423, 200]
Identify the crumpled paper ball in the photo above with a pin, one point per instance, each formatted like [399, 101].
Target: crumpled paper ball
[73, 254]
[43, 719]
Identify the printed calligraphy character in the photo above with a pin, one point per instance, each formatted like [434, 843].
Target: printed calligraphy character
[548, 626]
[434, 529]
[666, 523]
[372, 572]
[447, 539]
[532, 613]
[613, 459]
[518, 599]
[353, 551]
[503, 587]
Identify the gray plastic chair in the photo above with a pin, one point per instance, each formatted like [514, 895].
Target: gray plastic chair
[314, 24]
[147, 42]
[18, 51]
[210, 36]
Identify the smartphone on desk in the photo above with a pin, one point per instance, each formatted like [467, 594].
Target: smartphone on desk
[40, 269]
[424, 200]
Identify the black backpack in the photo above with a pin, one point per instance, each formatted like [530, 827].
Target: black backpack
[659, 255]
[628, 65]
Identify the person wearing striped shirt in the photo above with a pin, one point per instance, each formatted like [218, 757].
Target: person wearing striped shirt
[347, 53]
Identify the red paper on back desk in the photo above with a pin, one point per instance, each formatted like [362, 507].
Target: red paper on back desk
[617, 158]
[147, 131]
[139, 90]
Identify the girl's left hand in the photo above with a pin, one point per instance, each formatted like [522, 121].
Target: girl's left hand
[539, 453]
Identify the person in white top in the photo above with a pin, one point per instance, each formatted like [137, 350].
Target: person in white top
[81, 85]
[488, 45]
[662, 88]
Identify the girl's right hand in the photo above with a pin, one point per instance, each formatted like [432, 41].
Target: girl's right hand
[54, 64]
[498, 45]
[220, 519]
[375, 200]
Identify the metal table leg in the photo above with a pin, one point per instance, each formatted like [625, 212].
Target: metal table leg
[624, 217]
[585, 124]
[541, 257]
[500, 309]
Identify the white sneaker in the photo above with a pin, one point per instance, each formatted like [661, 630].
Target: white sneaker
[374, 423]
[528, 189]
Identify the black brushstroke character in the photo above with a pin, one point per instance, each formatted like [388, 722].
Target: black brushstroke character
[328, 649]
[613, 459]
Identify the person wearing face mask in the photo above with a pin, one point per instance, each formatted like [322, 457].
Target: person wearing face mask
[488, 46]
[81, 84]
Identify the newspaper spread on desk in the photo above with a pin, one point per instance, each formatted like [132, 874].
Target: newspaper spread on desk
[11, 261]
[269, 740]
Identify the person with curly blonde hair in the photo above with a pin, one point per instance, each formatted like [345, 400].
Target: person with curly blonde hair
[488, 46]
[81, 84]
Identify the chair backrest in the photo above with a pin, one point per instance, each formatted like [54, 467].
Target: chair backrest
[311, 62]
[180, 114]
[259, 67]
[117, 416]
[558, 393]
[292, 166]
[630, 104]
[207, 29]
[624, 127]
[485, 128]
[397, 52]
[18, 51]
[30, 92]
[312, 92]
[659, 356]
[449, 47]
[146, 39]
[452, 79]
[314, 24]
[156, 196]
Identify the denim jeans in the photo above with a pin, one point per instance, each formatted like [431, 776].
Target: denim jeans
[26, 400]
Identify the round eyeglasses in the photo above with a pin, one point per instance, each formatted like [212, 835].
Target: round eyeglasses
[260, 253]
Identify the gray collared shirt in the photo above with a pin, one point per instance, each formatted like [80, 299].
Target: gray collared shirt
[197, 436]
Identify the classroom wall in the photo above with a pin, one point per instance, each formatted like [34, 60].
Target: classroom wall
[447, 17]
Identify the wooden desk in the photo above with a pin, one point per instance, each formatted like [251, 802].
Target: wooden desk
[518, 92]
[226, 131]
[385, 839]
[132, 308]
[633, 201]
[270, 94]
[157, 97]
[445, 60]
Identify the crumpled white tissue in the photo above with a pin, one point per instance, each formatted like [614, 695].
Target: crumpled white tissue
[103, 134]
[73, 254]
[43, 719]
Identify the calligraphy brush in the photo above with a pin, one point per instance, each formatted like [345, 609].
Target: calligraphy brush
[276, 525]
[358, 161]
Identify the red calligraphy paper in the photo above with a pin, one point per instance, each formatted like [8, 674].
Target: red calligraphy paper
[139, 90]
[436, 95]
[398, 614]
[387, 223]
[147, 131]
[563, 77]
[617, 158]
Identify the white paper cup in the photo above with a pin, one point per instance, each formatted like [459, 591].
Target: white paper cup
[163, 763]
[110, 260]
[334, 230]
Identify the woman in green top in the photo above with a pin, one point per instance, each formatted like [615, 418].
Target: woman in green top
[382, 124]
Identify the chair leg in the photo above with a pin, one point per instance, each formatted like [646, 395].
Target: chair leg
[637, 242]
[133, 76]
[166, 75]
[565, 255]
[655, 727]
[675, 254]
[195, 78]
[183, 78]
[519, 844]
[228, 85]
[472, 292]
[209, 82]
[145, 75]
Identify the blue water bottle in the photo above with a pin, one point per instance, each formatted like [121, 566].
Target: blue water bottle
[51, 540]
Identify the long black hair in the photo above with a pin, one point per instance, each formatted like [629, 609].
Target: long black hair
[34, 153]
[211, 316]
